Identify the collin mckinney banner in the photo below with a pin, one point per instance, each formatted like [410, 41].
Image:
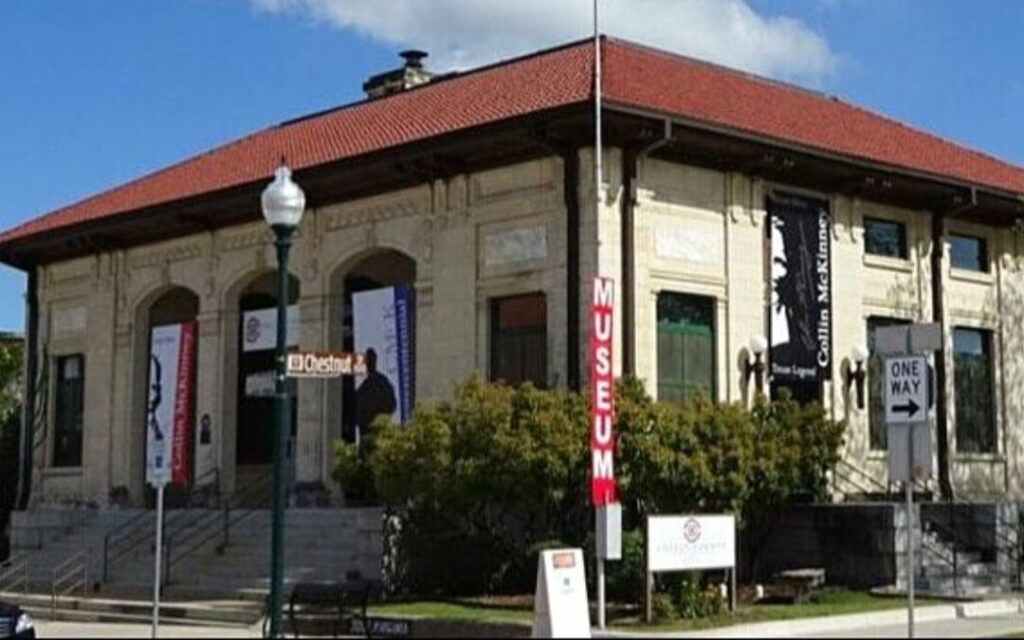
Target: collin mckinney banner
[800, 320]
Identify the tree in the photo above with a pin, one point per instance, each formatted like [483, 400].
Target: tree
[11, 355]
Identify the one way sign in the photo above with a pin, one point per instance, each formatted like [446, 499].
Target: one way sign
[906, 390]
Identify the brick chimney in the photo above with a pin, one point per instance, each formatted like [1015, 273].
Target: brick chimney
[411, 74]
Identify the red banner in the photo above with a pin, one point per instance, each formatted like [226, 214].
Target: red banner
[602, 395]
[183, 393]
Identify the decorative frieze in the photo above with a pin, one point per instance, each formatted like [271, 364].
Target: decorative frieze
[379, 209]
[164, 255]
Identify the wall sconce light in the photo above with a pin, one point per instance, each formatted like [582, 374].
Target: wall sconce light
[858, 375]
[758, 347]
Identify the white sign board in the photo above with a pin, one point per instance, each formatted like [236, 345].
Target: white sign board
[906, 390]
[259, 329]
[560, 608]
[687, 543]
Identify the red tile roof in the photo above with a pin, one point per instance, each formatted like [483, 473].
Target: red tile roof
[635, 76]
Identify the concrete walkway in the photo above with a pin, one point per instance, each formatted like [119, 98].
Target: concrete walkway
[45, 629]
[966, 620]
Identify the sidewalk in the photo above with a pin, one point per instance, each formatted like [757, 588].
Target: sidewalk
[974, 619]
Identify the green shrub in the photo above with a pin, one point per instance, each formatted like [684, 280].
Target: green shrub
[663, 608]
[694, 601]
[479, 480]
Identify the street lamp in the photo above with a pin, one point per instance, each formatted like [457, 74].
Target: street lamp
[283, 205]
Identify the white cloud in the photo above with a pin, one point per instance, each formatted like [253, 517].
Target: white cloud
[466, 33]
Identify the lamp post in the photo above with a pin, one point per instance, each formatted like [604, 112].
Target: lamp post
[283, 205]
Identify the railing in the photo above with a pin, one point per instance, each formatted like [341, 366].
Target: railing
[14, 572]
[213, 525]
[68, 576]
[126, 537]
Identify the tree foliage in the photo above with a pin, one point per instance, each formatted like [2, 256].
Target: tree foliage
[11, 355]
[484, 479]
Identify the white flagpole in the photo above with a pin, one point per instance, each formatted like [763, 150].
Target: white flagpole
[598, 184]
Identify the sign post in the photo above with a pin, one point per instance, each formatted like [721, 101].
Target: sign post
[907, 403]
[169, 418]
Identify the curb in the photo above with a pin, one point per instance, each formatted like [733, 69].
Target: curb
[832, 624]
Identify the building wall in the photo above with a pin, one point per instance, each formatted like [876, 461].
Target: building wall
[496, 233]
[473, 237]
[702, 232]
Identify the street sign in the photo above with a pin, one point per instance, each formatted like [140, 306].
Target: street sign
[906, 390]
[910, 455]
[908, 339]
[313, 364]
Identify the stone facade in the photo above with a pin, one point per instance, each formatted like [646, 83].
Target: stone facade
[496, 233]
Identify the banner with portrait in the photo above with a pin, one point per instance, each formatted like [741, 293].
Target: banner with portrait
[800, 317]
[382, 323]
[169, 411]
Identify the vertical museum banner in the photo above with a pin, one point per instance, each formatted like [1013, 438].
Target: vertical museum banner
[383, 327]
[602, 394]
[169, 410]
[800, 317]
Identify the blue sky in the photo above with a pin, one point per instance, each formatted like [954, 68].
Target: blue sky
[96, 92]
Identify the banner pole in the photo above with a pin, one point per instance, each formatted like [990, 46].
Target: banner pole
[158, 557]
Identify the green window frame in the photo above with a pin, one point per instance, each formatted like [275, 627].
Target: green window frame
[974, 373]
[878, 432]
[687, 348]
[519, 340]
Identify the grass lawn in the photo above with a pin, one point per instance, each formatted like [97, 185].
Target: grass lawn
[827, 603]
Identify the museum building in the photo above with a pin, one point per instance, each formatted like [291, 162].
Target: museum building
[739, 215]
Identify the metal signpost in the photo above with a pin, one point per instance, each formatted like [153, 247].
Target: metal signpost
[907, 403]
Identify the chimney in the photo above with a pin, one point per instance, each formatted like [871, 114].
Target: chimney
[411, 74]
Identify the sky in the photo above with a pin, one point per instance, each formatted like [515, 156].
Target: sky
[96, 92]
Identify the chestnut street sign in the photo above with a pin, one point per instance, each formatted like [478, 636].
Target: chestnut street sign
[324, 364]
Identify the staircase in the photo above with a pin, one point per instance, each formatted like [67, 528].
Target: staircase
[217, 560]
[965, 575]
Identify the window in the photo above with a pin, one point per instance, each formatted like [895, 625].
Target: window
[69, 411]
[686, 347]
[519, 339]
[878, 434]
[975, 397]
[885, 238]
[968, 253]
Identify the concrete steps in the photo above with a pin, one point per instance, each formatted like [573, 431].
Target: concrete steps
[228, 614]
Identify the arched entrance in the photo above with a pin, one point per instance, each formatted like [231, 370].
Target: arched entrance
[257, 343]
[171, 366]
[374, 311]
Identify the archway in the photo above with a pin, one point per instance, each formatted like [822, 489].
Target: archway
[169, 344]
[374, 309]
[257, 343]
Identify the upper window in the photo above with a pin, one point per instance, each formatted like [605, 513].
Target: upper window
[519, 339]
[968, 252]
[69, 412]
[975, 395]
[885, 238]
[686, 347]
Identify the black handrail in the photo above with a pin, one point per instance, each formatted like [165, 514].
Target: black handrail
[125, 537]
[214, 524]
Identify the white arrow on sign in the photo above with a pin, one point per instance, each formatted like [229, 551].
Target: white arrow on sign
[906, 390]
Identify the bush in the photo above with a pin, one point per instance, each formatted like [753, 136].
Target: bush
[694, 601]
[479, 480]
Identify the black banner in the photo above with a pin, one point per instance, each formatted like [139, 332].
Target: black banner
[800, 317]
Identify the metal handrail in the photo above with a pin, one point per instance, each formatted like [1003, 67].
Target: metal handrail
[217, 524]
[10, 569]
[124, 538]
[68, 576]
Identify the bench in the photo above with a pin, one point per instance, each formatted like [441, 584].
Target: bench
[346, 601]
[798, 584]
